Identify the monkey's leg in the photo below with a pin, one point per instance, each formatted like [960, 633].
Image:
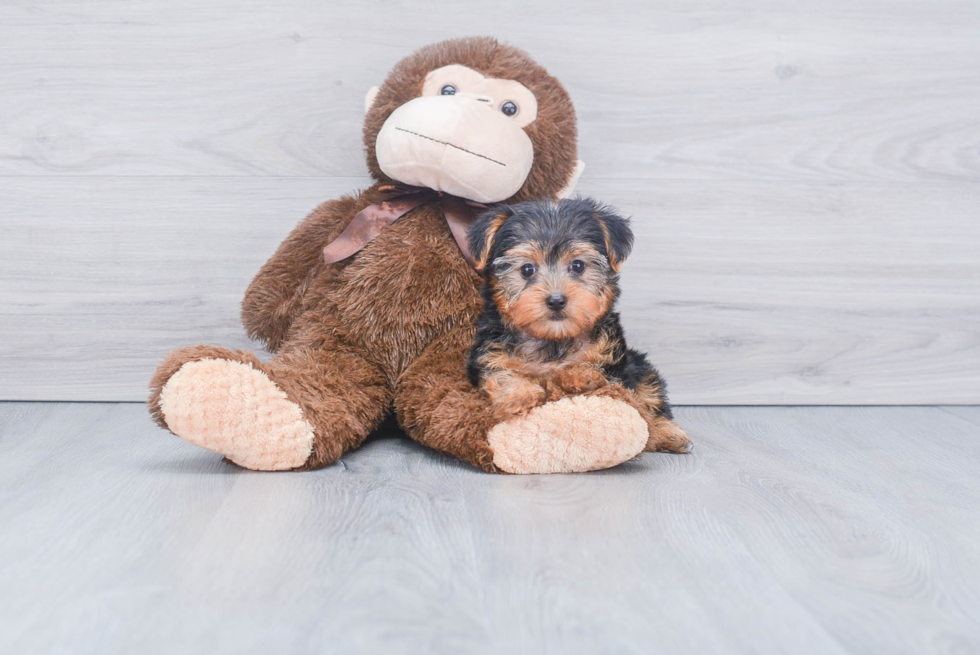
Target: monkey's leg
[439, 408]
[302, 410]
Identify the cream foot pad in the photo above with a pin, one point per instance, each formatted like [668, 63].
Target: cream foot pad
[237, 411]
[581, 433]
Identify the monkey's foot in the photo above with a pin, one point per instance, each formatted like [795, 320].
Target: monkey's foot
[234, 409]
[579, 433]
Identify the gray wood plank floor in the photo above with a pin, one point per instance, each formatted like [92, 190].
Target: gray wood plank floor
[788, 530]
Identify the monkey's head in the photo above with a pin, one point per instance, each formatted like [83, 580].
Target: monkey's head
[476, 119]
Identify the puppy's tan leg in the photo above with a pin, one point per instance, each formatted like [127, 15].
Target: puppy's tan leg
[664, 434]
[667, 436]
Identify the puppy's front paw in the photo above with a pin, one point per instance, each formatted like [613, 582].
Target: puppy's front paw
[579, 379]
[518, 397]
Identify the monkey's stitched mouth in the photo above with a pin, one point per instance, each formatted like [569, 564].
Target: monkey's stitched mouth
[446, 143]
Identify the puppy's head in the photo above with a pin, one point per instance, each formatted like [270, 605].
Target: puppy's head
[551, 267]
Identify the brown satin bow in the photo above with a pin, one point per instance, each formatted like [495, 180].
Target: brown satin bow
[369, 222]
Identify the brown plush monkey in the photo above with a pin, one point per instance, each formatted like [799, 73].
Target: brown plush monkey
[369, 305]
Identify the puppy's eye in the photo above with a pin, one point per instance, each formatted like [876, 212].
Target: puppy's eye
[527, 270]
[448, 90]
[509, 108]
[577, 266]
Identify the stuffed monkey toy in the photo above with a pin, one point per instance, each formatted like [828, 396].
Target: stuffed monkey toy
[369, 305]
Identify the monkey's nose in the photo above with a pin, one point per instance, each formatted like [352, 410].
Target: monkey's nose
[556, 301]
[479, 97]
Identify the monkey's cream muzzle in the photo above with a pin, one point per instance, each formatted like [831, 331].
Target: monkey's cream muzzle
[456, 144]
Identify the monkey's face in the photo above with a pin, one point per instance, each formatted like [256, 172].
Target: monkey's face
[476, 119]
[464, 136]
[551, 267]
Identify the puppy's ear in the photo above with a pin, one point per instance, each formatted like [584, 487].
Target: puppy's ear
[484, 230]
[617, 235]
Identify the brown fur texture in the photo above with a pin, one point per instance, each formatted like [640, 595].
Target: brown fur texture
[388, 329]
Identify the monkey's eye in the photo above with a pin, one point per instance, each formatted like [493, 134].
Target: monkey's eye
[527, 270]
[509, 108]
[448, 90]
[577, 266]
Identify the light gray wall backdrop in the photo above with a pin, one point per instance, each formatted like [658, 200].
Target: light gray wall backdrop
[804, 178]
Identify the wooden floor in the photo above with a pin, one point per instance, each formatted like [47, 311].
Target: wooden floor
[788, 530]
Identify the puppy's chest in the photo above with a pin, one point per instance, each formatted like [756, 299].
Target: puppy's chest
[540, 359]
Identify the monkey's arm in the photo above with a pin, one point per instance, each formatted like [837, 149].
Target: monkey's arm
[275, 296]
[438, 407]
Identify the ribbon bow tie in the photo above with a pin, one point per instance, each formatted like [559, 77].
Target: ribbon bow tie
[368, 223]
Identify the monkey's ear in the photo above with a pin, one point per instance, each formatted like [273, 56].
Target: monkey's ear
[572, 181]
[484, 230]
[369, 98]
[617, 235]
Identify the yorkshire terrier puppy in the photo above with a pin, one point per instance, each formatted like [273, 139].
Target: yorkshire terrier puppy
[548, 328]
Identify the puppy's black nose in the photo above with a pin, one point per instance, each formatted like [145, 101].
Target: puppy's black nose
[556, 301]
